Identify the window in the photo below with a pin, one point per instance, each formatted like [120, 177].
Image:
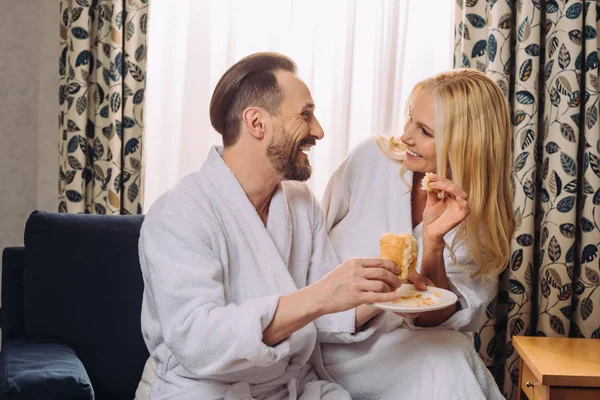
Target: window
[360, 59]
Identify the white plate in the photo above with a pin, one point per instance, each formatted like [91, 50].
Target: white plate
[439, 298]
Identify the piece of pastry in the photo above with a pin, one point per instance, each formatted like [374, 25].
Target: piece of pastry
[401, 249]
[425, 185]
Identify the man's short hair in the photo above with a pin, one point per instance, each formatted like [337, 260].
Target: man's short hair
[250, 82]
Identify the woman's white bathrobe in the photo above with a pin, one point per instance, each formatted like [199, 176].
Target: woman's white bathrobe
[213, 275]
[364, 199]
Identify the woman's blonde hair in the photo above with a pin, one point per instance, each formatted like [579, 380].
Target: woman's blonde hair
[474, 149]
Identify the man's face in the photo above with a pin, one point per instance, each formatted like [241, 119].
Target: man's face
[295, 130]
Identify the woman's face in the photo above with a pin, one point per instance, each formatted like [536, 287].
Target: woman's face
[419, 136]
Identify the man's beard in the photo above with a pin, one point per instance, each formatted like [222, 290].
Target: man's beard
[283, 153]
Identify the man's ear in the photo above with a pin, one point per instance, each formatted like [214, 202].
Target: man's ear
[253, 119]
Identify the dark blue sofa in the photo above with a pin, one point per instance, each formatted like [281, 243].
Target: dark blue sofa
[71, 301]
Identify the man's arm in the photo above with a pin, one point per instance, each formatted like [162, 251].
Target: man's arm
[357, 281]
[301, 307]
[294, 311]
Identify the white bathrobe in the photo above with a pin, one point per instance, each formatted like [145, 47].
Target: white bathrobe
[364, 199]
[213, 275]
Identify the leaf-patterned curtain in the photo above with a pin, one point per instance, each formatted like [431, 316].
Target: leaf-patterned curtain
[544, 56]
[102, 78]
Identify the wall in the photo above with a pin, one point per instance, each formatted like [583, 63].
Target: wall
[29, 41]
[28, 113]
[47, 171]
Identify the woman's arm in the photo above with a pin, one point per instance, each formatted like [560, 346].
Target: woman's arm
[364, 314]
[440, 216]
[433, 267]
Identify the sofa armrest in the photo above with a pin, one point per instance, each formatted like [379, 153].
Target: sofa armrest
[42, 368]
[13, 318]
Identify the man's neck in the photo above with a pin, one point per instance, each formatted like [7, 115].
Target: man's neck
[256, 178]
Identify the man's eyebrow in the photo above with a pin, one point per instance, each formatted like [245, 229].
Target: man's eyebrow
[308, 107]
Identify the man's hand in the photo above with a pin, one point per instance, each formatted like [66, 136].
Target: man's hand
[355, 282]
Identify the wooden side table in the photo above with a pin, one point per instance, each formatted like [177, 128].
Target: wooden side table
[558, 368]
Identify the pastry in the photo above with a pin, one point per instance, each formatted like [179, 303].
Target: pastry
[401, 249]
[425, 185]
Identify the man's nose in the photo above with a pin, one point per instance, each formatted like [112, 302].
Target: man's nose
[315, 129]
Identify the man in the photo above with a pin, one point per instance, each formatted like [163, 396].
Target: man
[239, 274]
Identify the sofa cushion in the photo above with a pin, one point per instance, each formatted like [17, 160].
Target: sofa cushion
[38, 368]
[13, 265]
[83, 285]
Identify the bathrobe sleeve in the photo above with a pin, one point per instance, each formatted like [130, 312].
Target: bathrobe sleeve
[473, 293]
[323, 261]
[184, 278]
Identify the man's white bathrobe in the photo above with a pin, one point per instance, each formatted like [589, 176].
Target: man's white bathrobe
[213, 275]
[364, 199]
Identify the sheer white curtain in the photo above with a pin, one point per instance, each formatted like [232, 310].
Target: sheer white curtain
[360, 59]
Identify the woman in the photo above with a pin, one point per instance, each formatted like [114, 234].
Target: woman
[458, 127]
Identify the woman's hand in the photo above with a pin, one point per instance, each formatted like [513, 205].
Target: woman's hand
[442, 215]
[420, 283]
[355, 282]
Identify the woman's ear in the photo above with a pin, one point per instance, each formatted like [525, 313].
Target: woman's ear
[253, 119]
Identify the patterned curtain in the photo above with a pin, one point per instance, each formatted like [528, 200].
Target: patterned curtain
[102, 78]
[544, 56]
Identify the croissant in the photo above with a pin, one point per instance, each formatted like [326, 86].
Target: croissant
[425, 185]
[401, 249]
